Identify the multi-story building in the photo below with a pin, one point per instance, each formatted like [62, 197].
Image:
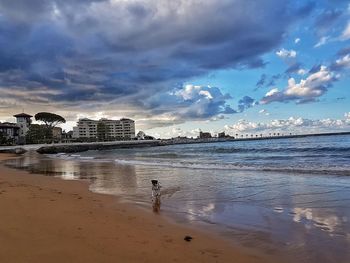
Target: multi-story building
[204, 135]
[23, 122]
[105, 129]
[85, 128]
[8, 132]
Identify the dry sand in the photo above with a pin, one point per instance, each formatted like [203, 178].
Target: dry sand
[45, 219]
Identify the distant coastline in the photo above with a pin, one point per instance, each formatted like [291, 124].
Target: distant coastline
[85, 146]
[294, 136]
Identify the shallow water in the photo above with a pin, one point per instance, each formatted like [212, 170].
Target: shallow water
[289, 197]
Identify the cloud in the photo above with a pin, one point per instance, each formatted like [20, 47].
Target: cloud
[295, 68]
[292, 125]
[261, 82]
[341, 63]
[267, 81]
[343, 51]
[284, 53]
[272, 81]
[347, 116]
[315, 68]
[307, 90]
[264, 112]
[175, 132]
[272, 92]
[191, 102]
[95, 55]
[218, 117]
[343, 60]
[245, 103]
[346, 32]
[326, 20]
[323, 40]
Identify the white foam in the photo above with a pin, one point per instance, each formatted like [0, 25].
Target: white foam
[231, 166]
[190, 165]
[87, 158]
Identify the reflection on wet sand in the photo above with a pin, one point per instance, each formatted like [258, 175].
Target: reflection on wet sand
[105, 177]
[156, 204]
[112, 179]
[328, 222]
[302, 217]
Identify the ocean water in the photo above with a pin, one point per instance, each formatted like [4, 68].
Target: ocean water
[289, 197]
[317, 155]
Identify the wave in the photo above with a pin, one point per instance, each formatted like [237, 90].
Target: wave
[237, 167]
[281, 149]
[166, 155]
[70, 156]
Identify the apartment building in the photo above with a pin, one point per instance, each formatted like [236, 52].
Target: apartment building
[105, 129]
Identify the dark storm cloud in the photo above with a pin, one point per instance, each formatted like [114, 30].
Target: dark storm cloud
[123, 51]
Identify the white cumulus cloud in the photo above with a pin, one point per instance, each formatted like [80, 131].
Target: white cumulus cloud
[343, 62]
[272, 92]
[309, 89]
[284, 53]
[291, 125]
[347, 116]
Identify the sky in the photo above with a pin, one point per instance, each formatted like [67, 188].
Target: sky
[181, 66]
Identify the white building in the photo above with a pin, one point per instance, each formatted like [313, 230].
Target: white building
[109, 129]
[23, 121]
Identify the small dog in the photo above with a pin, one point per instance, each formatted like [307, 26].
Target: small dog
[156, 195]
[155, 189]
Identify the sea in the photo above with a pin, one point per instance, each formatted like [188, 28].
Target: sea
[285, 197]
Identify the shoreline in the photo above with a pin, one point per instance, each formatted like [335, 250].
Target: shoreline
[81, 226]
[75, 147]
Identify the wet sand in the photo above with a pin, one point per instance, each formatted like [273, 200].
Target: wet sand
[45, 219]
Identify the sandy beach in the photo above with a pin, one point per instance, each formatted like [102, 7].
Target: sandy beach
[45, 219]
